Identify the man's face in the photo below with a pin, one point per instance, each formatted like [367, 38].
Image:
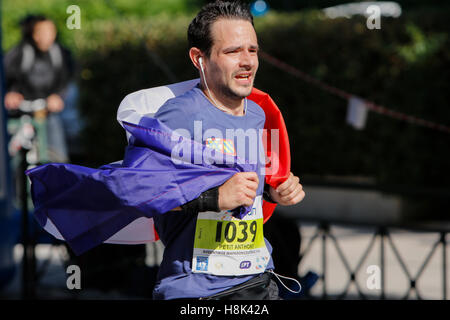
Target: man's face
[230, 70]
[44, 35]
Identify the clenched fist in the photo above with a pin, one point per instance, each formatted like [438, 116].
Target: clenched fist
[239, 190]
[288, 193]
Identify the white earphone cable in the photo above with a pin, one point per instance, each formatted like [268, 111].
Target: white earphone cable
[212, 98]
[295, 280]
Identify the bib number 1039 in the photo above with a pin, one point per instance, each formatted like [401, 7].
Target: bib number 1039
[217, 234]
[242, 231]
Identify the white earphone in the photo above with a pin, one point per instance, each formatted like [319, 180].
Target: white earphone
[201, 63]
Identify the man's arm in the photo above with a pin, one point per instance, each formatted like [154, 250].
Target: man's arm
[239, 190]
[207, 201]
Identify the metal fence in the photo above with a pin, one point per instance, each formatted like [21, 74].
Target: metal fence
[381, 237]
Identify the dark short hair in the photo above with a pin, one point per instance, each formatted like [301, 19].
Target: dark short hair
[199, 31]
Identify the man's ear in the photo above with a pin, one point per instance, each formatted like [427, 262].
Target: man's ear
[194, 55]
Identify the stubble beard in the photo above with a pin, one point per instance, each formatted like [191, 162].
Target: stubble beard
[229, 92]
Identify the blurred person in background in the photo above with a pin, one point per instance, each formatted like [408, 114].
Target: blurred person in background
[41, 68]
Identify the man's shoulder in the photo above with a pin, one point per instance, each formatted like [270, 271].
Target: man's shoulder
[180, 111]
[187, 103]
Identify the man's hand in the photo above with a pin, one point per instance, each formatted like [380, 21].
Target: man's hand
[13, 100]
[239, 190]
[55, 103]
[288, 193]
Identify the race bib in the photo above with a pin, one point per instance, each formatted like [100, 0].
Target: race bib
[225, 245]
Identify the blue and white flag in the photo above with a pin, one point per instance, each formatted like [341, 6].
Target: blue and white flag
[115, 203]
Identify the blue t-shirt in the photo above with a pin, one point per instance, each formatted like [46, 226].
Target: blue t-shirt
[193, 114]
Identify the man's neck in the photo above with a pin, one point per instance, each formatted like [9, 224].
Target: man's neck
[231, 106]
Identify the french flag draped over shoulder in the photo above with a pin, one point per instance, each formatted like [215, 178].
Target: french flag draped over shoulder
[116, 202]
[278, 167]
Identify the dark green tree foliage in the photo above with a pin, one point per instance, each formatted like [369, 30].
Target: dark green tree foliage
[402, 66]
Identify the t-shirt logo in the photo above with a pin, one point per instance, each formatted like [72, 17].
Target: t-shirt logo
[226, 146]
